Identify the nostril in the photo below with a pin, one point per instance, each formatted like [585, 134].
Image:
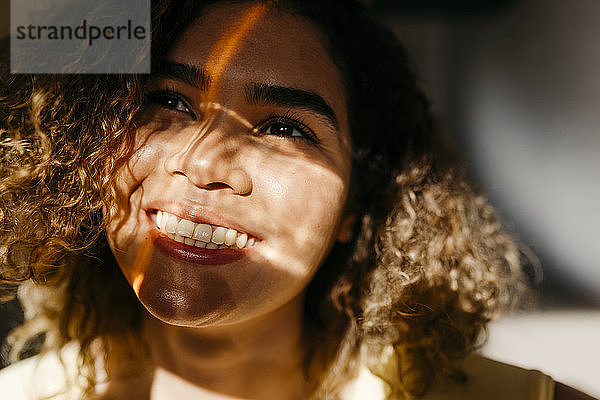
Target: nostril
[216, 186]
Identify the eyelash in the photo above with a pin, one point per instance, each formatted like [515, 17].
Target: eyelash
[159, 97]
[290, 119]
[164, 98]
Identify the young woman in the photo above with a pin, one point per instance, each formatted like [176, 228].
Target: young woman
[268, 215]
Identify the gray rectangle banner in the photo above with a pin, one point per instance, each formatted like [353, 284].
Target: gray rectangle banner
[80, 36]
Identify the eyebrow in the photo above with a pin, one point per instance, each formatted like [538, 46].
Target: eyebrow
[185, 73]
[259, 93]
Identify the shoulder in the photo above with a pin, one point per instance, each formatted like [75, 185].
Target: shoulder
[486, 378]
[531, 382]
[42, 376]
[364, 386]
[495, 381]
[564, 392]
[15, 379]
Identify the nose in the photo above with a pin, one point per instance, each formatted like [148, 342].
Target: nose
[211, 157]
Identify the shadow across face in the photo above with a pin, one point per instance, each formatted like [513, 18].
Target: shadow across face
[245, 128]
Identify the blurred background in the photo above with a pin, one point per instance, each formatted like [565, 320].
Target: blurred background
[517, 85]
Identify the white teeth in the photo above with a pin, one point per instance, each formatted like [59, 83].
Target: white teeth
[163, 219]
[230, 236]
[203, 232]
[241, 240]
[201, 235]
[171, 223]
[185, 228]
[159, 216]
[218, 236]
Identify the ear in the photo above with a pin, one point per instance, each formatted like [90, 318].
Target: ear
[344, 234]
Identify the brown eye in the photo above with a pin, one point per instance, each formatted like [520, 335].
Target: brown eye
[283, 129]
[287, 126]
[169, 99]
[174, 103]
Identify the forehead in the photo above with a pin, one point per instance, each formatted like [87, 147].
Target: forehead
[250, 42]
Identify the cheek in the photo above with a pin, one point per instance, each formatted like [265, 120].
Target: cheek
[127, 191]
[303, 205]
[147, 150]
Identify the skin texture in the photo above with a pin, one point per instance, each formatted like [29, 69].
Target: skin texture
[232, 330]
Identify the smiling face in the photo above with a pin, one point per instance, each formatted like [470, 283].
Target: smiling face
[244, 137]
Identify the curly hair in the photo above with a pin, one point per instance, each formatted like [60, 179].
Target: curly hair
[429, 264]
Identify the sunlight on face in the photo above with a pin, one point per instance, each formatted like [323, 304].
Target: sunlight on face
[254, 141]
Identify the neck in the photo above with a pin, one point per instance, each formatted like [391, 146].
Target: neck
[261, 358]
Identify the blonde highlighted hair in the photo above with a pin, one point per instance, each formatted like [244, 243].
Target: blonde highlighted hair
[429, 264]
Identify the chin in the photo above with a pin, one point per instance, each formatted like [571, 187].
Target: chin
[187, 305]
[187, 321]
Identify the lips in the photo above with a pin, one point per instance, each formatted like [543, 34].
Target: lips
[202, 250]
[194, 254]
[199, 234]
[201, 214]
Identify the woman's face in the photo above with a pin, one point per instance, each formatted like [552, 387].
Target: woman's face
[244, 134]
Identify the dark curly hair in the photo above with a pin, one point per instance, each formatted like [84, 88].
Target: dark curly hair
[409, 296]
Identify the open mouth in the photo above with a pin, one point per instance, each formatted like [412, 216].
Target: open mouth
[199, 242]
[201, 235]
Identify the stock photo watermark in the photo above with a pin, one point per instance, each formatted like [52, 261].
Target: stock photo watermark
[90, 33]
[80, 36]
